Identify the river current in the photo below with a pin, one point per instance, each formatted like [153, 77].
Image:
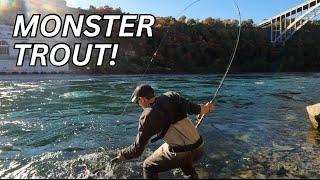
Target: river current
[61, 126]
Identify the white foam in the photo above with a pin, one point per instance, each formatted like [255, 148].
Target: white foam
[259, 83]
[78, 94]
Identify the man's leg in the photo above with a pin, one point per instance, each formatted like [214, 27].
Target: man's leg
[149, 175]
[163, 160]
[188, 169]
[189, 172]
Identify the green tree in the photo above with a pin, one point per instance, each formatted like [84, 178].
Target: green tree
[208, 21]
[248, 23]
[191, 22]
[182, 19]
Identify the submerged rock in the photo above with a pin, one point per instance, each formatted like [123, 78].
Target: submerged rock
[9, 147]
[247, 174]
[260, 176]
[282, 172]
[281, 148]
[202, 173]
[218, 155]
[245, 138]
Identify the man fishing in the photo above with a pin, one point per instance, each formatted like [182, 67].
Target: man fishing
[166, 117]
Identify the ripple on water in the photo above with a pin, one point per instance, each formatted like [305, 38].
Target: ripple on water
[50, 126]
[259, 83]
[79, 94]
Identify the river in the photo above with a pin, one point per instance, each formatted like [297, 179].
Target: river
[57, 126]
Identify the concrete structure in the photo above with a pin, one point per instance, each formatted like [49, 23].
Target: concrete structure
[9, 55]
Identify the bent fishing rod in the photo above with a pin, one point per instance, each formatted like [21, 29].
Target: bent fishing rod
[154, 55]
[148, 66]
[201, 118]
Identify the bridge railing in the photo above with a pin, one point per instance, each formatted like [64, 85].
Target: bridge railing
[285, 24]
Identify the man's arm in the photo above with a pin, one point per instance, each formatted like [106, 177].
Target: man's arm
[189, 107]
[150, 124]
[184, 105]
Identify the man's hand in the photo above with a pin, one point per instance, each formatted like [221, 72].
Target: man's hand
[205, 109]
[114, 160]
[118, 158]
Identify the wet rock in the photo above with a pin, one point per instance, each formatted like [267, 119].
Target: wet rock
[247, 174]
[72, 149]
[259, 166]
[91, 176]
[290, 176]
[82, 171]
[260, 176]
[282, 148]
[307, 148]
[276, 156]
[245, 138]
[282, 172]
[202, 173]
[218, 155]
[9, 147]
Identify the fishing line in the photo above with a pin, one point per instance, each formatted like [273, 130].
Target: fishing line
[223, 78]
[148, 67]
[157, 50]
[199, 120]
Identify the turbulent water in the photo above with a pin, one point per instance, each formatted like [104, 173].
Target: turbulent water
[63, 126]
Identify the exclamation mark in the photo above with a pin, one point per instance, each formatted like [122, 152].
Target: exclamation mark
[114, 55]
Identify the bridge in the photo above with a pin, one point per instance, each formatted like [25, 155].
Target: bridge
[286, 24]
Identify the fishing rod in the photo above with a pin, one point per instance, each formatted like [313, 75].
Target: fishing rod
[158, 48]
[149, 64]
[200, 119]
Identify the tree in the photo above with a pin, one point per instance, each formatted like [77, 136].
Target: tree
[191, 22]
[92, 9]
[182, 19]
[208, 21]
[247, 24]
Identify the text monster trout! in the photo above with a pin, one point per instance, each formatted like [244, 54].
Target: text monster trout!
[130, 25]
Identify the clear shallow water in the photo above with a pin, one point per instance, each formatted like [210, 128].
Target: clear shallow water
[52, 126]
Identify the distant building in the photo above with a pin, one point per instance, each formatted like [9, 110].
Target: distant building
[21, 3]
[9, 55]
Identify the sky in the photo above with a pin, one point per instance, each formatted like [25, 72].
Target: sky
[258, 10]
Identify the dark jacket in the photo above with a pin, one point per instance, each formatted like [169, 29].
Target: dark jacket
[167, 109]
